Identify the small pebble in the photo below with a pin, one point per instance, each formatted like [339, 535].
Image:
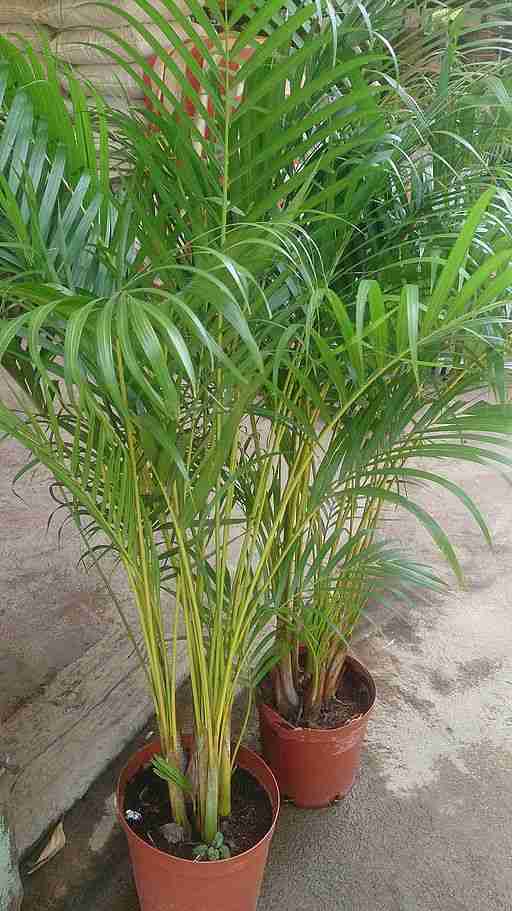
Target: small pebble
[172, 832]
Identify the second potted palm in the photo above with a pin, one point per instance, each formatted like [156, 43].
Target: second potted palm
[394, 381]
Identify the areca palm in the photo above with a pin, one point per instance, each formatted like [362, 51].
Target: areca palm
[137, 381]
[413, 188]
[380, 408]
[58, 214]
[199, 306]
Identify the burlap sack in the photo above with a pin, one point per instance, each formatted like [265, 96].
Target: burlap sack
[74, 45]
[109, 80]
[64, 14]
[19, 11]
[124, 105]
[38, 36]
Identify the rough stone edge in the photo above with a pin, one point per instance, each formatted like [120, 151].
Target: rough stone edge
[11, 890]
[66, 736]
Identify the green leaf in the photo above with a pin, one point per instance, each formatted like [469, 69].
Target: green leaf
[200, 850]
[170, 773]
[412, 297]
[348, 333]
[429, 523]
[448, 485]
[456, 259]
[214, 461]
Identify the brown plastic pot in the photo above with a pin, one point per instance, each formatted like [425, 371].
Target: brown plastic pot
[166, 883]
[315, 766]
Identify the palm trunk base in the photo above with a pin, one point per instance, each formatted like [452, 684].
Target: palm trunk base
[334, 675]
[225, 779]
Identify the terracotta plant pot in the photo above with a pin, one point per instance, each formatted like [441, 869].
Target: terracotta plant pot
[166, 883]
[315, 766]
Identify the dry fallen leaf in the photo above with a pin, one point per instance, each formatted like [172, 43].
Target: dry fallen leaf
[55, 844]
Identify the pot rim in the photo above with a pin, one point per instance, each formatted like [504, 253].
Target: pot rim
[315, 732]
[276, 805]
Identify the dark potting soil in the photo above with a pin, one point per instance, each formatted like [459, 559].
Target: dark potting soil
[352, 699]
[147, 810]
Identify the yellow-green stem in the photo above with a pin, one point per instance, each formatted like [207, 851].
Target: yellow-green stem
[225, 772]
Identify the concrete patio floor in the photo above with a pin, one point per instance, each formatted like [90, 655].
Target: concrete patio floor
[427, 825]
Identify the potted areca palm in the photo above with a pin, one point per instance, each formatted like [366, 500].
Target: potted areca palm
[380, 408]
[139, 462]
[133, 405]
[140, 340]
[151, 337]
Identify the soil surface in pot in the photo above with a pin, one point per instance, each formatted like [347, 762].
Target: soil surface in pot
[148, 813]
[352, 699]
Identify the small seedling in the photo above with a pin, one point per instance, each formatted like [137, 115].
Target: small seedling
[217, 850]
[168, 772]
